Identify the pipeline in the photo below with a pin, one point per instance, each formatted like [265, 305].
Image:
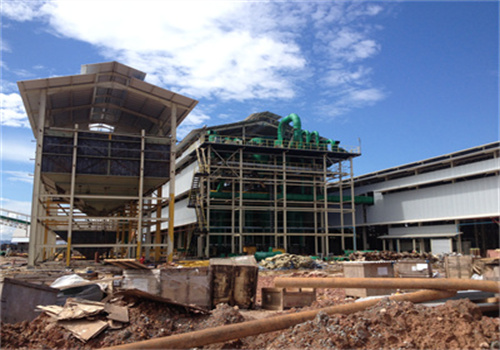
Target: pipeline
[388, 283]
[335, 145]
[270, 324]
[316, 137]
[297, 125]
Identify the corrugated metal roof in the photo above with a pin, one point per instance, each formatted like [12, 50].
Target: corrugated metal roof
[109, 93]
[421, 235]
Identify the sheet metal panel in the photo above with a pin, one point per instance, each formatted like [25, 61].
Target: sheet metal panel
[182, 214]
[474, 198]
[480, 167]
[420, 230]
[184, 179]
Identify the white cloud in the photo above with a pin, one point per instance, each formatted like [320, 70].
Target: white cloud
[5, 47]
[228, 50]
[12, 111]
[16, 148]
[366, 95]
[21, 176]
[20, 10]
[23, 207]
[195, 119]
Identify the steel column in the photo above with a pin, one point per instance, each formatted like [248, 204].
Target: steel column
[171, 205]
[72, 194]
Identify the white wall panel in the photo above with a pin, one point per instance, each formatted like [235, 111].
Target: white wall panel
[184, 179]
[397, 231]
[434, 176]
[182, 214]
[463, 199]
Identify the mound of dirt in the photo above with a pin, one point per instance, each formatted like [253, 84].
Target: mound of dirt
[457, 324]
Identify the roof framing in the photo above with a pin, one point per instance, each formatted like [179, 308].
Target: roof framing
[110, 93]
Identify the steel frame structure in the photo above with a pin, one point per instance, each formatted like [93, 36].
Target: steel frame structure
[280, 194]
[76, 194]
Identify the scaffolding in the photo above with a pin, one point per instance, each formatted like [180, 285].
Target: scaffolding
[106, 142]
[256, 191]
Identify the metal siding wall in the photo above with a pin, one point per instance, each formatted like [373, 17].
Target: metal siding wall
[184, 179]
[458, 171]
[463, 199]
[422, 229]
[182, 215]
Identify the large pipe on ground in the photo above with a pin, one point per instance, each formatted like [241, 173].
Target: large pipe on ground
[270, 324]
[388, 283]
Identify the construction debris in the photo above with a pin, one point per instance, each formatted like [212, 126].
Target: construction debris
[390, 256]
[289, 261]
[19, 299]
[128, 317]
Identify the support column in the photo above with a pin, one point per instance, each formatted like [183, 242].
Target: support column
[365, 238]
[171, 204]
[33, 249]
[353, 207]
[233, 218]
[276, 219]
[141, 190]
[207, 196]
[159, 194]
[242, 214]
[342, 223]
[315, 217]
[72, 196]
[326, 238]
[285, 216]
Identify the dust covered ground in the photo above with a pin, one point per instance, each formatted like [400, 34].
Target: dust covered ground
[387, 325]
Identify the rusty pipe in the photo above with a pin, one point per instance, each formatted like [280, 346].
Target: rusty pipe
[270, 324]
[387, 283]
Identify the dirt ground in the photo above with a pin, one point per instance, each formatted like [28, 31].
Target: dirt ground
[387, 325]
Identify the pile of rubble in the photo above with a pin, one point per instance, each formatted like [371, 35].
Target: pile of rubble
[457, 324]
[289, 261]
[129, 316]
[144, 319]
[390, 256]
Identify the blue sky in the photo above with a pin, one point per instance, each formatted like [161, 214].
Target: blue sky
[411, 80]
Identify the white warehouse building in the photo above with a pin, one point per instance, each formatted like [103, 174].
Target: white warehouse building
[443, 204]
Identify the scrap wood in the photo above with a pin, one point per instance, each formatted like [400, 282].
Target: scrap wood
[116, 312]
[136, 293]
[84, 329]
[51, 310]
[127, 264]
[73, 309]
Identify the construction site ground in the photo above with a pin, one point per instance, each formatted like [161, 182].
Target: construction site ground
[457, 324]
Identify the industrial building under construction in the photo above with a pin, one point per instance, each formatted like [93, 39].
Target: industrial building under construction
[110, 178]
[109, 175]
[260, 183]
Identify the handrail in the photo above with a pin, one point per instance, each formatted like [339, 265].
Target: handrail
[271, 143]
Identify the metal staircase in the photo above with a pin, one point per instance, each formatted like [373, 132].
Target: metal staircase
[195, 194]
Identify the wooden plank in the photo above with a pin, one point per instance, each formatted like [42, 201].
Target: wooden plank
[117, 313]
[127, 264]
[84, 329]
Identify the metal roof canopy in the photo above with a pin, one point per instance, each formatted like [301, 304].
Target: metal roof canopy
[105, 93]
[421, 235]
